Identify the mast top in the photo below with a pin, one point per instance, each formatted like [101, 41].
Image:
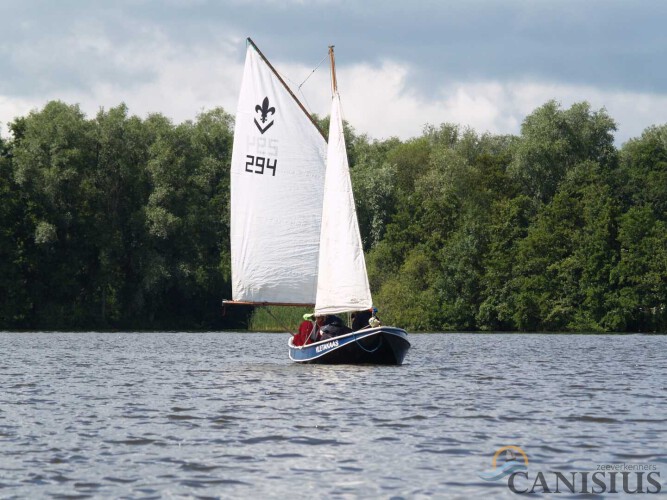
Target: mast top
[334, 83]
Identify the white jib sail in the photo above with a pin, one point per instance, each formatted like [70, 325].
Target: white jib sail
[277, 183]
[342, 283]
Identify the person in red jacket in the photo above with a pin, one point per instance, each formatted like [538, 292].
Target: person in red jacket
[306, 327]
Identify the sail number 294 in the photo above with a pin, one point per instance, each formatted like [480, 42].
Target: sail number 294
[264, 157]
[259, 164]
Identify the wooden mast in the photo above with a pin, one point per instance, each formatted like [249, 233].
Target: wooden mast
[334, 83]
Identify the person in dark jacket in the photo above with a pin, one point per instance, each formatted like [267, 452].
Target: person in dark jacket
[360, 319]
[332, 327]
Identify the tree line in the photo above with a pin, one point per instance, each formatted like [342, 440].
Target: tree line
[117, 222]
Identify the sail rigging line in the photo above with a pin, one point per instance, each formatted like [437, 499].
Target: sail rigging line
[289, 90]
[302, 96]
[369, 350]
[265, 305]
[278, 321]
[311, 73]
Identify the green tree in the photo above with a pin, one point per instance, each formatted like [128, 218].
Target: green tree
[509, 221]
[374, 184]
[53, 158]
[186, 219]
[641, 303]
[119, 190]
[554, 140]
[563, 270]
[15, 303]
[643, 174]
[119, 222]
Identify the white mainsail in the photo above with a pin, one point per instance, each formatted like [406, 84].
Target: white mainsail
[342, 280]
[277, 185]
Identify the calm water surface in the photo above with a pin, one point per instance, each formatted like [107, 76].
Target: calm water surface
[148, 415]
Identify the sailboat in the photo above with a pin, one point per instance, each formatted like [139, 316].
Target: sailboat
[295, 237]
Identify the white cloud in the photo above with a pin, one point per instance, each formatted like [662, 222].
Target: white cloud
[376, 99]
[184, 83]
[11, 107]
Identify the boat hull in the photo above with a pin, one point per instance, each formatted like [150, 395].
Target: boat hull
[379, 346]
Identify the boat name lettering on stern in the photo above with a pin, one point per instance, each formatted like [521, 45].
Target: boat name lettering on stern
[326, 346]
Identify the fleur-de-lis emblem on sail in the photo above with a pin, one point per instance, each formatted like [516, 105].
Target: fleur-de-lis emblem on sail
[264, 111]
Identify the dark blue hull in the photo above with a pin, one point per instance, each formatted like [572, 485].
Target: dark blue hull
[385, 345]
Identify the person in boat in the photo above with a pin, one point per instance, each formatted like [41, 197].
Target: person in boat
[365, 319]
[306, 328]
[316, 333]
[318, 323]
[360, 319]
[374, 321]
[332, 327]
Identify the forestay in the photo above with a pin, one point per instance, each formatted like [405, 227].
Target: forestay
[277, 177]
[343, 283]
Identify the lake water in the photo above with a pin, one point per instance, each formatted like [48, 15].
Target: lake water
[148, 415]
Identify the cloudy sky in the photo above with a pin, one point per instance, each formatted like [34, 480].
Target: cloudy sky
[401, 64]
